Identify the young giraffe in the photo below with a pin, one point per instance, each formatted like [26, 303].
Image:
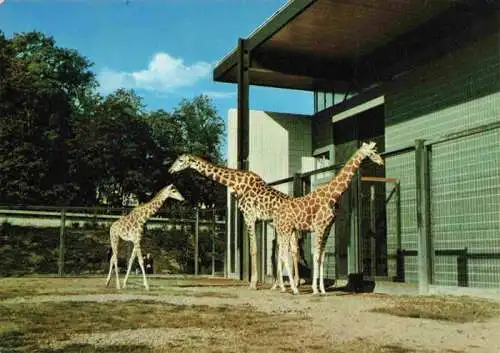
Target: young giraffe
[256, 200]
[316, 212]
[130, 227]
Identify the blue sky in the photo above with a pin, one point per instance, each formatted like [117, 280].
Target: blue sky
[164, 49]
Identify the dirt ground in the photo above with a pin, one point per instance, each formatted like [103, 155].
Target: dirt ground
[336, 322]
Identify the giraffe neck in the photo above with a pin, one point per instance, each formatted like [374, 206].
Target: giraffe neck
[235, 179]
[340, 183]
[148, 209]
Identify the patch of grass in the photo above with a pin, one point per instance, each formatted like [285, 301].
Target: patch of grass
[89, 348]
[454, 309]
[211, 295]
[33, 286]
[39, 323]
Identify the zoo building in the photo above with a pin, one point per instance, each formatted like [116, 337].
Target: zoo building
[419, 78]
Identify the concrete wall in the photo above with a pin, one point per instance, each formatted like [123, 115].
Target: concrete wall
[278, 141]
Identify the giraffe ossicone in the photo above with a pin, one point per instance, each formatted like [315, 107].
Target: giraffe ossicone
[130, 227]
[256, 200]
[315, 212]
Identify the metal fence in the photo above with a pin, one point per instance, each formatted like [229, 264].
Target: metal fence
[75, 240]
[433, 220]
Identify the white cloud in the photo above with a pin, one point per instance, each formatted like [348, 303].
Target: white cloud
[219, 95]
[164, 73]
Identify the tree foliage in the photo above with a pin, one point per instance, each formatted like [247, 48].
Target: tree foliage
[40, 86]
[62, 143]
[193, 127]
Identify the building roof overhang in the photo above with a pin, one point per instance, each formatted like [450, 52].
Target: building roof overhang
[345, 46]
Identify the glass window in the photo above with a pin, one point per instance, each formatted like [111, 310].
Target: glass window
[323, 100]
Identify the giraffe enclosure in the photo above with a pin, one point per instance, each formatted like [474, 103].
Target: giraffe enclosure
[204, 314]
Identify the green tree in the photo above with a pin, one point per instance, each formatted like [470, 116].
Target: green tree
[41, 87]
[193, 127]
[115, 153]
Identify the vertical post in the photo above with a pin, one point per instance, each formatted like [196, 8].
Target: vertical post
[213, 241]
[298, 185]
[354, 255]
[462, 269]
[196, 235]
[400, 257]
[243, 143]
[373, 233]
[61, 242]
[398, 215]
[422, 189]
[298, 190]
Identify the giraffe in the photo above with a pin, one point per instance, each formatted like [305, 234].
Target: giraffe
[256, 200]
[130, 227]
[316, 212]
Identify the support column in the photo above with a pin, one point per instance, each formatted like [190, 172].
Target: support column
[243, 146]
[423, 216]
[306, 260]
[354, 254]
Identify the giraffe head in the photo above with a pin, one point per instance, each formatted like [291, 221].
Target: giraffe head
[182, 162]
[369, 150]
[171, 192]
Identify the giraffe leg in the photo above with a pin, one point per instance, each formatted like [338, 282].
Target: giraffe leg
[113, 261]
[321, 271]
[141, 264]
[280, 269]
[317, 253]
[295, 256]
[130, 262]
[288, 266]
[253, 252]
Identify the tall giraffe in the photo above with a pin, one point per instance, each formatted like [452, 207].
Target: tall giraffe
[256, 200]
[316, 212]
[130, 227]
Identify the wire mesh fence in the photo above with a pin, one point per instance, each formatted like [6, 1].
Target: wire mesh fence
[465, 210]
[437, 219]
[450, 211]
[75, 241]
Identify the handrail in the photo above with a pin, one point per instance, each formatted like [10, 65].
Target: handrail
[465, 133]
[337, 166]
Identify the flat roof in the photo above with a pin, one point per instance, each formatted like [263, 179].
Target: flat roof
[335, 45]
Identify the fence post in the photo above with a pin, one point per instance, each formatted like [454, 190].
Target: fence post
[373, 233]
[196, 234]
[213, 241]
[423, 219]
[61, 243]
[398, 216]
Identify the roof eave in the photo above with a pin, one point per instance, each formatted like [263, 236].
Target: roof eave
[271, 26]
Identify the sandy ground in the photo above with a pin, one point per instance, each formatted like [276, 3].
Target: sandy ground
[336, 317]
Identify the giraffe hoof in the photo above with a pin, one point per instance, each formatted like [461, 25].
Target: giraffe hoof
[253, 286]
[283, 290]
[296, 292]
